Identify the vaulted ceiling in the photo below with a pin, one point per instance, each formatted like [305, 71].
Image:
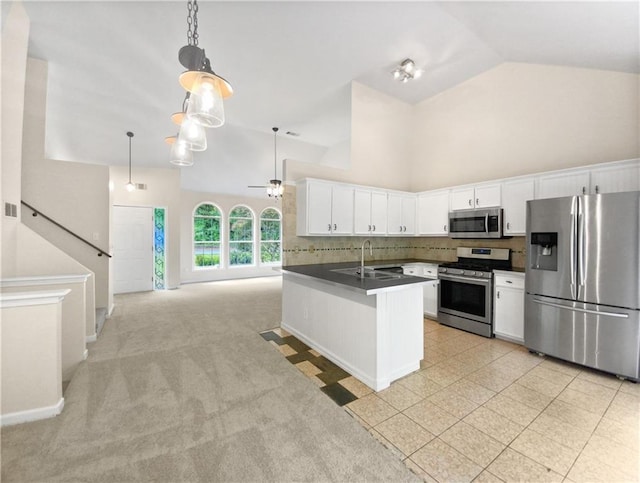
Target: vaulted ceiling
[113, 68]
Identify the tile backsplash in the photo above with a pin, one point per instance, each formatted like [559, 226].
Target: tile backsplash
[307, 250]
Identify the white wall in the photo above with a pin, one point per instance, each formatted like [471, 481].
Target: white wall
[520, 119]
[37, 257]
[15, 41]
[76, 195]
[380, 144]
[31, 373]
[191, 199]
[163, 191]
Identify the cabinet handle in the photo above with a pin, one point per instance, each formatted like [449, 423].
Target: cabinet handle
[374, 227]
[584, 190]
[329, 227]
[597, 189]
[369, 228]
[335, 227]
[498, 294]
[469, 202]
[508, 281]
[508, 225]
[477, 201]
[444, 227]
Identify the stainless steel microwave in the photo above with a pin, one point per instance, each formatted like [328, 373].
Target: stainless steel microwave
[480, 223]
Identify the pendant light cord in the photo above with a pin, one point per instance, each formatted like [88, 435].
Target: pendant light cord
[275, 151]
[130, 134]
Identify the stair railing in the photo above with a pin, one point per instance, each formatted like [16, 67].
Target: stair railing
[37, 212]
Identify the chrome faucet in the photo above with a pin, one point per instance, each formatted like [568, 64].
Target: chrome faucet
[362, 258]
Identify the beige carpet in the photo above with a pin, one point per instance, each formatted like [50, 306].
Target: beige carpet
[181, 387]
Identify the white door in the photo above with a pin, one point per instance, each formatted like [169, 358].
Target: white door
[132, 249]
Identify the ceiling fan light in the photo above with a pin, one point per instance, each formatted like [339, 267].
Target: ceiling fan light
[192, 135]
[205, 104]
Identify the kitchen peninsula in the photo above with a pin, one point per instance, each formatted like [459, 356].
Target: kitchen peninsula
[371, 326]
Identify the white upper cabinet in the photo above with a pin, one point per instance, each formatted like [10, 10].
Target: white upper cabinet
[370, 212]
[515, 195]
[563, 184]
[484, 196]
[433, 213]
[614, 179]
[401, 214]
[324, 208]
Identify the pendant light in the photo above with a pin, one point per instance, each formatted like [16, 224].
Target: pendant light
[180, 154]
[130, 186]
[275, 188]
[206, 87]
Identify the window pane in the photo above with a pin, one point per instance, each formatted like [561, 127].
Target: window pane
[270, 252]
[270, 214]
[206, 236]
[241, 230]
[241, 253]
[207, 209]
[241, 212]
[270, 230]
[206, 254]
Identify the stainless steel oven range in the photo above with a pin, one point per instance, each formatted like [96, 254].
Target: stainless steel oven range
[465, 293]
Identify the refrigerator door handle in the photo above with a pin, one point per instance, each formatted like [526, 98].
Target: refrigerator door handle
[581, 244]
[573, 246]
[585, 311]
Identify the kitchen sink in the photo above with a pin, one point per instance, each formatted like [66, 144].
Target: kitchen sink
[371, 273]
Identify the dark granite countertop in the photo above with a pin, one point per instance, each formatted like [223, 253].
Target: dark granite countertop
[324, 272]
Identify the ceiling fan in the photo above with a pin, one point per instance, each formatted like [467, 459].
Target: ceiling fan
[274, 188]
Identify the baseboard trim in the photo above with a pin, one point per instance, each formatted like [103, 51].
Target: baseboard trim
[92, 338]
[85, 354]
[32, 414]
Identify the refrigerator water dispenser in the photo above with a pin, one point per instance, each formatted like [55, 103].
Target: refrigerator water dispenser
[544, 250]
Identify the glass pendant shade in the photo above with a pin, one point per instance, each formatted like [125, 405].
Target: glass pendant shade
[180, 154]
[205, 103]
[192, 135]
[130, 187]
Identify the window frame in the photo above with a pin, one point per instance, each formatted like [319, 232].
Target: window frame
[221, 236]
[254, 257]
[260, 241]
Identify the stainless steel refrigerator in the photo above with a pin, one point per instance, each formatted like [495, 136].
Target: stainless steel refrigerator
[583, 281]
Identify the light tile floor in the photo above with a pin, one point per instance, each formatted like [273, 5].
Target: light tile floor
[487, 410]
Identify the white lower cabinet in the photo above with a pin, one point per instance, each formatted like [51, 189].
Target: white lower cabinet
[508, 308]
[430, 289]
[431, 299]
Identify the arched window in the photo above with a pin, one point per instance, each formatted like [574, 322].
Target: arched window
[270, 236]
[206, 236]
[241, 236]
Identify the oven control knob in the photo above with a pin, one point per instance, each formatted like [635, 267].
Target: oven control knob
[443, 270]
[479, 274]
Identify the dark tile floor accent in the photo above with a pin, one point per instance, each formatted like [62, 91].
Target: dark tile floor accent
[328, 373]
[338, 393]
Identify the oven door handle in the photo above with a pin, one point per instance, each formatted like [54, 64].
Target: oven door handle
[477, 281]
[486, 223]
